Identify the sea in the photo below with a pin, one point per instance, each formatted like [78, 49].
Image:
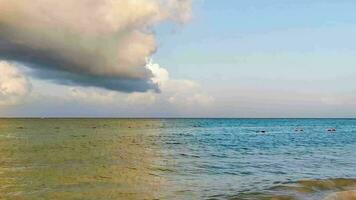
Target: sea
[239, 159]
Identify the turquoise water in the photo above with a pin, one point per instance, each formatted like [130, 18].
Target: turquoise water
[176, 158]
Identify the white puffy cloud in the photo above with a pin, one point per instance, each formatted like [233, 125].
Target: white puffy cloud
[160, 75]
[14, 86]
[179, 92]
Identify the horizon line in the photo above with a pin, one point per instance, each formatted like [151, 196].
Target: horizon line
[88, 117]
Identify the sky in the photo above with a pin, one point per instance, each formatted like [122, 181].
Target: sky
[177, 58]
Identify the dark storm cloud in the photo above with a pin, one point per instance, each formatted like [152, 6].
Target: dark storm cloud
[48, 66]
[86, 42]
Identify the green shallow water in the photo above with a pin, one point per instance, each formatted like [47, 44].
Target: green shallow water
[175, 158]
[78, 159]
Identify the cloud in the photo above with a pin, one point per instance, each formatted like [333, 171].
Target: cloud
[93, 95]
[139, 98]
[179, 92]
[87, 42]
[175, 93]
[160, 75]
[14, 86]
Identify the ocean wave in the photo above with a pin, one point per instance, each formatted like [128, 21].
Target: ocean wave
[326, 189]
